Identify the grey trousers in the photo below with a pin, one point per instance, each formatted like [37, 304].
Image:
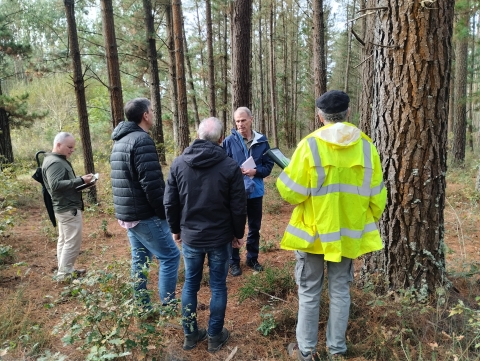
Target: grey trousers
[309, 275]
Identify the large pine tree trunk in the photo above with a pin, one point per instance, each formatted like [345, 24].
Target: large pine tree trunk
[157, 131]
[241, 54]
[79, 86]
[183, 130]
[460, 120]
[409, 125]
[113, 67]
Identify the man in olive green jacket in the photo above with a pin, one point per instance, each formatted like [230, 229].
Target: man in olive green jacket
[60, 181]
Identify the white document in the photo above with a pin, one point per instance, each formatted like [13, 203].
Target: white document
[249, 164]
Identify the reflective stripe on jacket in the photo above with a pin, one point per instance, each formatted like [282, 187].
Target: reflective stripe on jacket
[335, 179]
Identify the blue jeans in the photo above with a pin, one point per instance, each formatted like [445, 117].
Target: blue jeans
[254, 215]
[152, 237]
[218, 269]
[309, 275]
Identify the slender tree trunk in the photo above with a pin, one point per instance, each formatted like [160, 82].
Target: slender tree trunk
[460, 123]
[241, 54]
[225, 73]
[261, 120]
[113, 67]
[79, 86]
[410, 129]
[472, 73]
[319, 63]
[349, 47]
[190, 80]
[183, 130]
[172, 72]
[451, 100]
[211, 63]
[154, 80]
[200, 26]
[273, 97]
[6, 150]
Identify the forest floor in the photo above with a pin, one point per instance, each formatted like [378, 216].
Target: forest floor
[33, 241]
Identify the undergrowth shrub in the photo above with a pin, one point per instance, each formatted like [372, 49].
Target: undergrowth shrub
[273, 281]
[21, 330]
[110, 322]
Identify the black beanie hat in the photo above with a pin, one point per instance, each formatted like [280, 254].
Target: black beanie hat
[333, 102]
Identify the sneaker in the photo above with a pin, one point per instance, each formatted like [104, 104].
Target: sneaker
[295, 353]
[191, 340]
[253, 264]
[215, 343]
[235, 270]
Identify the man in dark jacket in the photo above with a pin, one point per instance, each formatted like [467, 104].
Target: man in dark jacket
[205, 204]
[243, 143]
[138, 188]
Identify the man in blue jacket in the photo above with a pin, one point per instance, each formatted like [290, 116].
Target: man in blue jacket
[240, 145]
[138, 187]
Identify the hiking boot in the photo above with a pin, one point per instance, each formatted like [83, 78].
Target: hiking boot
[253, 264]
[235, 270]
[191, 340]
[295, 353]
[216, 342]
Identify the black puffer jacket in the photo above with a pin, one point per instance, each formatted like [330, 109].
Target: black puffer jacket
[205, 197]
[137, 179]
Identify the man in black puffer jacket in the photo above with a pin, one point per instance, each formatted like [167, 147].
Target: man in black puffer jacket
[138, 187]
[205, 204]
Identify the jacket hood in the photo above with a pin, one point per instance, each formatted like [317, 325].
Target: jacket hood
[203, 154]
[339, 134]
[123, 128]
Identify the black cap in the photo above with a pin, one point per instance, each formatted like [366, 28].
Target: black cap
[332, 102]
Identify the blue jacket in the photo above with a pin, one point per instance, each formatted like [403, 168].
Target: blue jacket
[236, 149]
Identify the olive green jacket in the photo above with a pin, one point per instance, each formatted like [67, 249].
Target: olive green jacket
[60, 181]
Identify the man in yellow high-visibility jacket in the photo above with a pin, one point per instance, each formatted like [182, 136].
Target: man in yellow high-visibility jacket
[335, 180]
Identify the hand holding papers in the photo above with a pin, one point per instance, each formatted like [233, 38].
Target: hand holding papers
[89, 184]
[249, 164]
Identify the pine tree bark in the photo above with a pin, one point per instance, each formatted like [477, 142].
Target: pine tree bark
[319, 63]
[409, 125]
[157, 132]
[113, 67]
[460, 120]
[183, 129]
[79, 86]
[241, 54]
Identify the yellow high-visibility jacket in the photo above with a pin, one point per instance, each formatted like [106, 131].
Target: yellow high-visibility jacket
[335, 180]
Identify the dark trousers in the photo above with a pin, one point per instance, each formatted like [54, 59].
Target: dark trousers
[254, 216]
